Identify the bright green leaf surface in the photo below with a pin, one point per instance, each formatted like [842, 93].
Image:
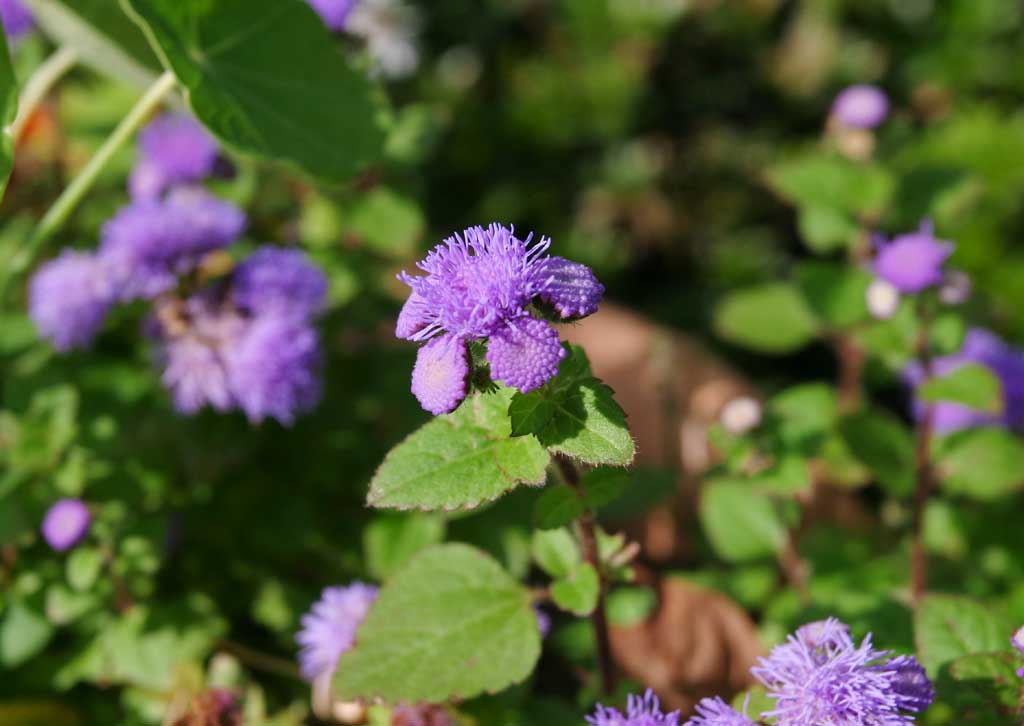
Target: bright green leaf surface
[556, 552]
[741, 523]
[947, 627]
[972, 385]
[577, 592]
[982, 463]
[771, 318]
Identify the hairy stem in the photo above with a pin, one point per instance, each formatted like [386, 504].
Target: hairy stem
[46, 75]
[587, 528]
[924, 480]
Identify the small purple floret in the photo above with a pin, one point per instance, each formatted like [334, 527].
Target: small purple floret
[861, 106]
[329, 628]
[912, 262]
[640, 711]
[173, 149]
[716, 712]
[66, 523]
[334, 13]
[69, 298]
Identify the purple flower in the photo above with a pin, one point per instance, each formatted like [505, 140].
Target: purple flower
[912, 262]
[66, 523]
[820, 676]
[478, 285]
[279, 279]
[716, 712]
[1017, 641]
[329, 628]
[645, 711]
[69, 298]
[334, 13]
[173, 149]
[543, 621]
[1007, 363]
[16, 18]
[274, 368]
[861, 106]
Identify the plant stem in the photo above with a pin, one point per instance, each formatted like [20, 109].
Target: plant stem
[52, 69]
[259, 660]
[587, 527]
[924, 480]
[851, 371]
[61, 209]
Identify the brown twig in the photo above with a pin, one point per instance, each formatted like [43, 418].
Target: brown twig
[851, 371]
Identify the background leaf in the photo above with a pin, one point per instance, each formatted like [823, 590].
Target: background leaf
[984, 463]
[771, 318]
[947, 627]
[742, 524]
[972, 385]
[577, 592]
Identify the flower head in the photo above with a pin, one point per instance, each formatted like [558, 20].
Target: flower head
[640, 711]
[912, 262]
[716, 712]
[820, 676]
[66, 523]
[860, 106]
[173, 149]
[329, 628]
[1017, 641]
[334, 13]
[17, 19]
[69, 298]
[279, 279]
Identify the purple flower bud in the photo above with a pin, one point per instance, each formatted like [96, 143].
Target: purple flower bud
[716, 712]
[329, 628]
[1017, 641]
[525, 353]
[543, 621]
[440, 378]
[16, 18]
[69, 298]
[275, 279]
[66, 523]
[912, 262]
[640, 711]
[573, 290]
[861, 106]
[173, 149]
[334, 13]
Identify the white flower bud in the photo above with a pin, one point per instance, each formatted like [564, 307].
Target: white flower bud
[883, 299]
[956, 288]
[741, 415]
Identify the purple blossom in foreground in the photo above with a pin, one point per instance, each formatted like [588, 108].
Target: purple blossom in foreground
[820, 676]
[282, 280]
[66, 523]
[912, 262]
[334, 13]
[860, 106]
[16, 18]
[716, 712]
[1007, 363]
[329, 628]
[173, 149]
[479, 285]
[69, 298]
[1017, 641]
[640, 711]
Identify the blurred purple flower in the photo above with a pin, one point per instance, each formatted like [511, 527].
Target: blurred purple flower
[820, 676]
[640, 711]
[716, 712]
[279, 279]
[543, 621]
[860, 106]
[334, 13]
[1017, 641]
[69, 298]
[16, 18]
[984, 347]
[912, 262]
[173, 149]
[329, 628]
[66, 523]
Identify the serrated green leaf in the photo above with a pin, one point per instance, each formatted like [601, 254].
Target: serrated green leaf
[972, 385]
[577, 592]
[741, 524]
[556, 551]
[83, 567]
[268, 80]
[556, 507]
[451, 624]
[460, 460]
[836, 292]
[982, 463]
[884, 445]
[8, 110]
[771, 318]
[391, 540]
[947, 627]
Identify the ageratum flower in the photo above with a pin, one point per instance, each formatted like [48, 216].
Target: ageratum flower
[173, 149]
[820, 676]
[716, 712]
[16, 18]
[1017, 641]
[480, 286]
[640, 711]
[334, 13]
[66, 523]
[983, 347]
[69, 298]
[860, 106]
[329, 628]
[912, 262]
[275, 279]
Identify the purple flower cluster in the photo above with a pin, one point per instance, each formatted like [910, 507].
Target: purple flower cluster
[17, 19]
[246, 342]
[66, 523]
[912, 262]
[329, 628]
[716, 712]
[640, 711]
[334, 13]
[1017, 641]
[481, 285]
[985, 348]
[860, 106]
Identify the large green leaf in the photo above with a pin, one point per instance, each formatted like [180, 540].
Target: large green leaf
[982, 463]
[972, 385]
[884, 445]
[8, 110]
[947, 627]
[741, 523]
[268, 80]
[771, 318]
[832, 182]
[450, 624]
[460, 460]
[101, 35]
[23, 633]
[837, 293]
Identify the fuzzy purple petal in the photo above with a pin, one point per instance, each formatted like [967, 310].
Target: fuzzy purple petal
[173, 149]
[440, 378]
[640, 711]
[716, 712]
[329, 628]
[276, 279]
[69, 298]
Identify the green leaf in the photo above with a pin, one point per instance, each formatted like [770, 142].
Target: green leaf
[947, 627]
[23, 633]
[982, 463]
[556, 507]
[83, 567]
[389, 223]
[819, 181]
[268, 80]
[391, 540]
[603, 486]
[556, 552]
[741, 524]
[101, 35]
[805, 414]
[577, 592]
[8, 110]
[629, 606]
[575, 414]
[788, 477]
[460, 460]
[451, 624]
[883, 445]
[972, 385]
[771, 318]
[826, 229]
[837, 293]
[985, 679]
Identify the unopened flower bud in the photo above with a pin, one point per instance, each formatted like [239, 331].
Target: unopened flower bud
[741, 415]
[883, 299]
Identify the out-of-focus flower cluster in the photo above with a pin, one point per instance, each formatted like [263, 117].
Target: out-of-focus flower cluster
[242, 341]
[387, 28]
[16, 18]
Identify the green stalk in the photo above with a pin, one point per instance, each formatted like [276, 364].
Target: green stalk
[60, 62]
